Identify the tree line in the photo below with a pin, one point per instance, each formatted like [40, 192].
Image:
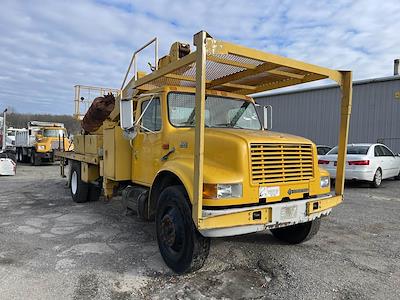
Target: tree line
[18, 120]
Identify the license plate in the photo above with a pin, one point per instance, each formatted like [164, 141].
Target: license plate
[288, 212]
[270, 191]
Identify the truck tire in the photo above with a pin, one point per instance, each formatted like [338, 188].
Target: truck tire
[181, 246]
[298, 233]
[35, 160]
[94, 192]
[79, 189]
[19, 155]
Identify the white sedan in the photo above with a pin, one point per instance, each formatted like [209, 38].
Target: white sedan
[369, 162]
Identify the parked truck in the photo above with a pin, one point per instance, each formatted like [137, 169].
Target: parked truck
[37, 142]
[186, 146]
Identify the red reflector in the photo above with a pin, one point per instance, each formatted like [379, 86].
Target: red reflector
[359, 163]
[323, 162]
[165, 146]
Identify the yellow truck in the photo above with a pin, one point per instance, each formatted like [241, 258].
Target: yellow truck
[37, 142]
[187, 147]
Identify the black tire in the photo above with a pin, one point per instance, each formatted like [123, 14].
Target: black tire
[397, 177]
[19, 155]
[25, 158]
[79, 189]
[94, 193]
[377, 181]
[142, 206]
[35, 160]
[182, 247]
[296, 234]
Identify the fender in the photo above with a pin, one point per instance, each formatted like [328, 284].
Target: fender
[183, 169]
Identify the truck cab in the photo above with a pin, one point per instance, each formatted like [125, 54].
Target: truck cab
[244, 163]
[36, 143]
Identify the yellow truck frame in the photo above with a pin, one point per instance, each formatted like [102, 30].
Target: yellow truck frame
[227, 69]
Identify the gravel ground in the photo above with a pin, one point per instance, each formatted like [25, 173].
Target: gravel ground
[52, 248]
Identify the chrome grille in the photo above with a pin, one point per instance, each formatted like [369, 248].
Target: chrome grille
[279, 163]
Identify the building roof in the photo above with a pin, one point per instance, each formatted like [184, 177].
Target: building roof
[330, 86]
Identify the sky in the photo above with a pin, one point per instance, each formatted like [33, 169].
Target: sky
[46, 47]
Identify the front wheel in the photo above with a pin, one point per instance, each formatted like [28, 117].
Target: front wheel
[298, 233]
[35, 159]
[377, 181]
[182, 247]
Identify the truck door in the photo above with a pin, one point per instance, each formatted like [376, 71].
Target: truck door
[147, 144]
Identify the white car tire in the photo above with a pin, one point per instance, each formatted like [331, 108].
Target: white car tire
[377, 181]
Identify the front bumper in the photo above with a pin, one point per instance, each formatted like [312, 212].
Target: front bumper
[45, 155]
[236, 221]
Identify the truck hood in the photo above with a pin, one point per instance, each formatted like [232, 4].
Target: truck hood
[258, 136]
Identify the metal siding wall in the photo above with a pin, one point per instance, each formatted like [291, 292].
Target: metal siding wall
[314, 114]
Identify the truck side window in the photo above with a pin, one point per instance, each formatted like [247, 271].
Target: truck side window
[152, 117]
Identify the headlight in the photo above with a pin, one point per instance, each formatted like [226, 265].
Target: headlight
[325, 181]
[218, 191]
[41, 147]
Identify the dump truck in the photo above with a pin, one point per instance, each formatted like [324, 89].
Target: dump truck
[37, 142]
[186, 146]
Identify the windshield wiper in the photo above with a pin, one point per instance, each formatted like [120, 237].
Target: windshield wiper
[227, 125]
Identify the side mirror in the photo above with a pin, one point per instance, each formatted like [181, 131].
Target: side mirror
[267, 116]
[126, 113]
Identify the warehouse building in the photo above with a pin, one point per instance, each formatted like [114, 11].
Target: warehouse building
[315, 112]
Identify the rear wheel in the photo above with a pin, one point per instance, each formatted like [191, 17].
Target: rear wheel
[397, 177]
[377, 181]
[35, 160]
[182, 247]
[94, 192]
[298, 233]
[19, 155]
[79, 189]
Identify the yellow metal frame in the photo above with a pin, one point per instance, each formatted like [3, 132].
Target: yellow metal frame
[247, 71]
[97, 92]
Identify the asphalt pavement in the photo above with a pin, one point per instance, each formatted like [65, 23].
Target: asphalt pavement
[53, 248]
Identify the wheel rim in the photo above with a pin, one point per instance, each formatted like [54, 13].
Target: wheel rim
[74, 182]
[378, 177]
[172, 234]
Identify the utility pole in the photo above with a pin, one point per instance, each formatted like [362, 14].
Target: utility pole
[4, 130]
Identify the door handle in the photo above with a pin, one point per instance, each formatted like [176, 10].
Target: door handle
[165, 157]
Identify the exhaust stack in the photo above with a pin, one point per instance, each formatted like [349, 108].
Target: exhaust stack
[396, 67]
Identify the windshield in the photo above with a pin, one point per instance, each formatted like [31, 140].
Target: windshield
[220, 112]
[53, 132]
[352, 150]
